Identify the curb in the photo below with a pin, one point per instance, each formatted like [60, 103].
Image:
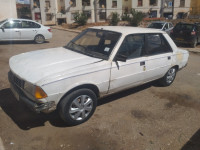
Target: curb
[70, 30]
[1, 144]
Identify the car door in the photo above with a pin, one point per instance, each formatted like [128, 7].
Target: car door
[159, 56]
[130, 72]
[29, 30]
[11, 30]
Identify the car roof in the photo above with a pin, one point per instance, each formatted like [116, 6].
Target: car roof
[21, 20]
[159, 22]
[128, 30]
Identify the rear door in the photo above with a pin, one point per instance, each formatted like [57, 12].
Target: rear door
[29, 30]
[11, 30]
[159, 56]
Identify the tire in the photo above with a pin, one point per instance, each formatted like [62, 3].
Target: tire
[78, 106]
[39, 39]
[169, 77]
[193, 45]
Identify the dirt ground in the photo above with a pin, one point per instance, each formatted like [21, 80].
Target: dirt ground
[143, 118]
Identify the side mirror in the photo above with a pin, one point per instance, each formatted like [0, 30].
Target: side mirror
[120, 57]
[2, 28]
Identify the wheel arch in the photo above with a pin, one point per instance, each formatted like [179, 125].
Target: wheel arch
[92, 87]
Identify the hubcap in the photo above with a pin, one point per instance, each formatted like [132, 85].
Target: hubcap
[39, 39]
[81, 107]
[171, 75]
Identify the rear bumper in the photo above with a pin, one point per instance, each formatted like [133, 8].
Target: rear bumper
[21, 96]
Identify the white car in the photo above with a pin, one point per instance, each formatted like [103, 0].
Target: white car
[162, 25]
[98, 62]
[24, 30]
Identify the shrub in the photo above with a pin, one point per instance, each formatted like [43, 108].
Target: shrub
[136, 17]
[80, 18]
[125, 17]
[114, 19]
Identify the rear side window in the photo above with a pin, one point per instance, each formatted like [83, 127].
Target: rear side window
[29, 24]
[184, 27]
[157, 44]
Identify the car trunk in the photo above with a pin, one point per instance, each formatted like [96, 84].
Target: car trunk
[183, 31]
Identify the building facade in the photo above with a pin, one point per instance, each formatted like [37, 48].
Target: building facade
[195, 8]
[8, 9]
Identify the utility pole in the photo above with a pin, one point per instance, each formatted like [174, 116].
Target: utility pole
[95, 11]
[162, 8]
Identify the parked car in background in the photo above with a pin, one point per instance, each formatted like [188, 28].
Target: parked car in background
[98, 62]
[164, 26]
[24, 30]
[186, 33]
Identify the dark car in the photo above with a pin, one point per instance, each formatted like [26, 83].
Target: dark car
[186, 33]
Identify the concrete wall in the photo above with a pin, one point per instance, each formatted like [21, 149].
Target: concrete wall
[8, 9]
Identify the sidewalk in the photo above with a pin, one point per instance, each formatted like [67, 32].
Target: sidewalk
[61, 28]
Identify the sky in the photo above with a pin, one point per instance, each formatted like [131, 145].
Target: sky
[23, 1]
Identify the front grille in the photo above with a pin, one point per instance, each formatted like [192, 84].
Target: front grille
[16, 80]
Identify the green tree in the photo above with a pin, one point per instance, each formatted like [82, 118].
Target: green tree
[80, 18]
[136, 17]
[114, 19]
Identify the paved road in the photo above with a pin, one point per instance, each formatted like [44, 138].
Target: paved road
[143, 118]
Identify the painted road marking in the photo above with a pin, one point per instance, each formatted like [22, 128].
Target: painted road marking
[1, 144]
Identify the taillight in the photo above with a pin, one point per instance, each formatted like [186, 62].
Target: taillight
[193, 33]
[49, 30]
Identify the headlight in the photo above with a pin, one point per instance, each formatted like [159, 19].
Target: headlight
[36, 91]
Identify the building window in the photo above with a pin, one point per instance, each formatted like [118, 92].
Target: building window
[114, 4]
[72, 3]
[102, 15]
[140, 3]
[102, 3]
[85, 2]
[182, 3]
[87, 13]
[153, 2]
[48, 17]
[153, 14]
[47, 4]
[36, 4]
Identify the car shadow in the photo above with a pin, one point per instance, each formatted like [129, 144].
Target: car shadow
[19, 42]
[193, 143]
[27, 119]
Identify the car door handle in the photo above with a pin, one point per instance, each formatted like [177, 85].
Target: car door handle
[142, 63]
[169, 57]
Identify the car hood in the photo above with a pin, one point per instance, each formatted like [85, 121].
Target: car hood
[36, 65]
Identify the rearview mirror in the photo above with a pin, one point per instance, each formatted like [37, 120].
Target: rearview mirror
[120, 57]
[2, 28]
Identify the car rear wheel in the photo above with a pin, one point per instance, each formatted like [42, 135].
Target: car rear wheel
[169, 77]
[39, 39]
[78, 106]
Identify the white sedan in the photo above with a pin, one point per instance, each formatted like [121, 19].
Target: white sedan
[98, 62]
[24, 30]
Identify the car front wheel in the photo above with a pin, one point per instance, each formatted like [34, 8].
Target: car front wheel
[169, 77]
[78, 106]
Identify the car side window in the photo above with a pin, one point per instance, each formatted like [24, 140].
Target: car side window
[12, 24]
[157, 44]
[29, 24]
[132, 46]
[170, 25]
[166, 26]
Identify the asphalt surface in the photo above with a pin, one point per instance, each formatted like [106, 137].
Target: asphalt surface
[148, 117]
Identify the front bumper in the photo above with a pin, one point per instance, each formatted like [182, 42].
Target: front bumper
[21, 96]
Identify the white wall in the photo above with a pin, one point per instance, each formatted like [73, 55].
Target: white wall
[8, 9]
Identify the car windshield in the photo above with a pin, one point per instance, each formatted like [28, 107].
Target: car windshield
[184, 27]
[1, 22]
[95, 43]
[156, 25]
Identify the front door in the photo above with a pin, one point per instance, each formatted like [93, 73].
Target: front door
[11, 30]
[130, 73]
